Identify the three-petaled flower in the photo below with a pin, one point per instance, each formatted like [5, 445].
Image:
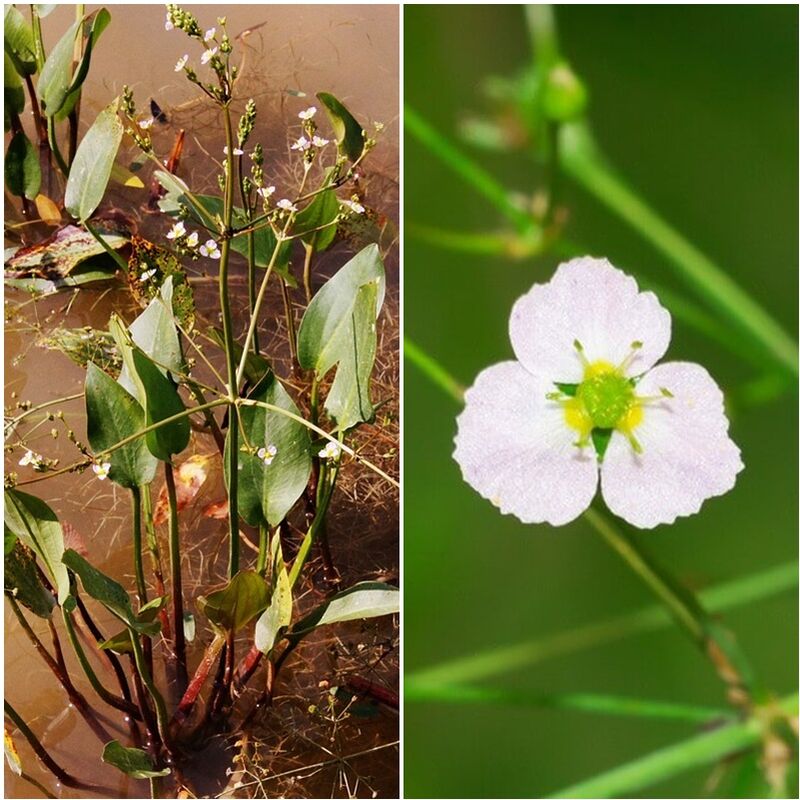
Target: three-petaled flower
[286, 205]
[353, 205]
[331, 450]
[266, 191]
[301, 144]
[31, 459]
[308, 113]
[177, 230]
[267, 454]
[181, 62]
[208, 55]
[586, 400]
[210, 249]
[101, 470]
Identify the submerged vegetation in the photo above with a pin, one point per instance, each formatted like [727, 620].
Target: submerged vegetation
[156, 384]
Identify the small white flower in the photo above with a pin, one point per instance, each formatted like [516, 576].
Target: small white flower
[331, 451]
[353, 205]
[101, 470]
[267, 454]
[144, 124]
[209, 34]
[177, 230]
[237, 151]
[308, 113]
[266, 191]
[208, 55]
[168, 26]
[301, 144]
[181, 62]
[318, 141]
[192, 239]
[286, 205]
[585, 400]
[30, 458]
[210, 249]
[145, 276]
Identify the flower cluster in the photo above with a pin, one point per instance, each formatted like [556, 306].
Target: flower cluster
[309, 143]
[586, 401]
[190, 242]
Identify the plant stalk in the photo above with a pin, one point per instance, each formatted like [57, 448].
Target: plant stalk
[179, 638]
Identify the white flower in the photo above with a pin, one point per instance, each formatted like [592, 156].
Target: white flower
[168, 26]
[331, 451]
[286, 205]
[145, 276]
[208, 55]
[210, 249]
[308, 113]
[267, 454]
[301, 144]
[101, 470]
[209, 34]
[237, 151]
[192, 239]
[177, 230]
[30, 459]
[354, 206]
[182, 62]
[144, 124]
[587, 343]
[318, 141]
[266, 191]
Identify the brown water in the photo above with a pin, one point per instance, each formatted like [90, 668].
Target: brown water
[309, 743]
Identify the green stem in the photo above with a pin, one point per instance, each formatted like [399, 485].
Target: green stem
[102, 692]
[179, 636]
[120, 261]
[263, 547]
[470, 172]
[288, 310]
[431, 368]
[147, 679]
[455, 694]
[581, 159]
[707, 748]
[309, 257]
[141, 585]
[727, 658]
[251, 281]
[230, 356]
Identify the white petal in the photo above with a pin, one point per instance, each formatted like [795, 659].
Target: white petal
[516, 450]
[686, 455]
[589, 300]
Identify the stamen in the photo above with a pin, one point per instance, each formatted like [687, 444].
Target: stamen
[581, 355]
[633, 441]
[626, 362]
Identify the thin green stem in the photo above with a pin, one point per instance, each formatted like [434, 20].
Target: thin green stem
[136, 507]
[162, 716]
[309, 257]
[120, 261]
[434, 371]
[455, 694]
[263, 547]
[468, 170]
[581, 159]
[182, 675]
[288, 310]
[707, 748]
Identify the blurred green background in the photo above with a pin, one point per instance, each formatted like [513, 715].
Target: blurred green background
[697, 107]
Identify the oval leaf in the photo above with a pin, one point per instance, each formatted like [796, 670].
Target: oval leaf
[23, 582]
[23, 173]
[35, 524]
[57, 72]
[91, 169]
[113, 415]
[132, 761]
[18, 41]
[231, 608]
[362, 601]
[349, 134]
[279, 612]
[267, 491]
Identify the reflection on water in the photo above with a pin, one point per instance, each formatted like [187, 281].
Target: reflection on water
[352, 52]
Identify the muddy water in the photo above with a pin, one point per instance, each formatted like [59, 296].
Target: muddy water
[311, 742]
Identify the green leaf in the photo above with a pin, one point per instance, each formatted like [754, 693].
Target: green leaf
[91, 169]
[362, 601]
[339, 327]
[13, 93]
[18, 41]
[147, 624]
[231, 608]
[57, 72]
[101, 588]
[43, 9]
[349, 134]
[267, 492]
[113, 415]
[23, 173]
[157, 394]
[279, 611]
[35, 524]
[99, 24]
[132, 761]
[321, 211]
[23, 583]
